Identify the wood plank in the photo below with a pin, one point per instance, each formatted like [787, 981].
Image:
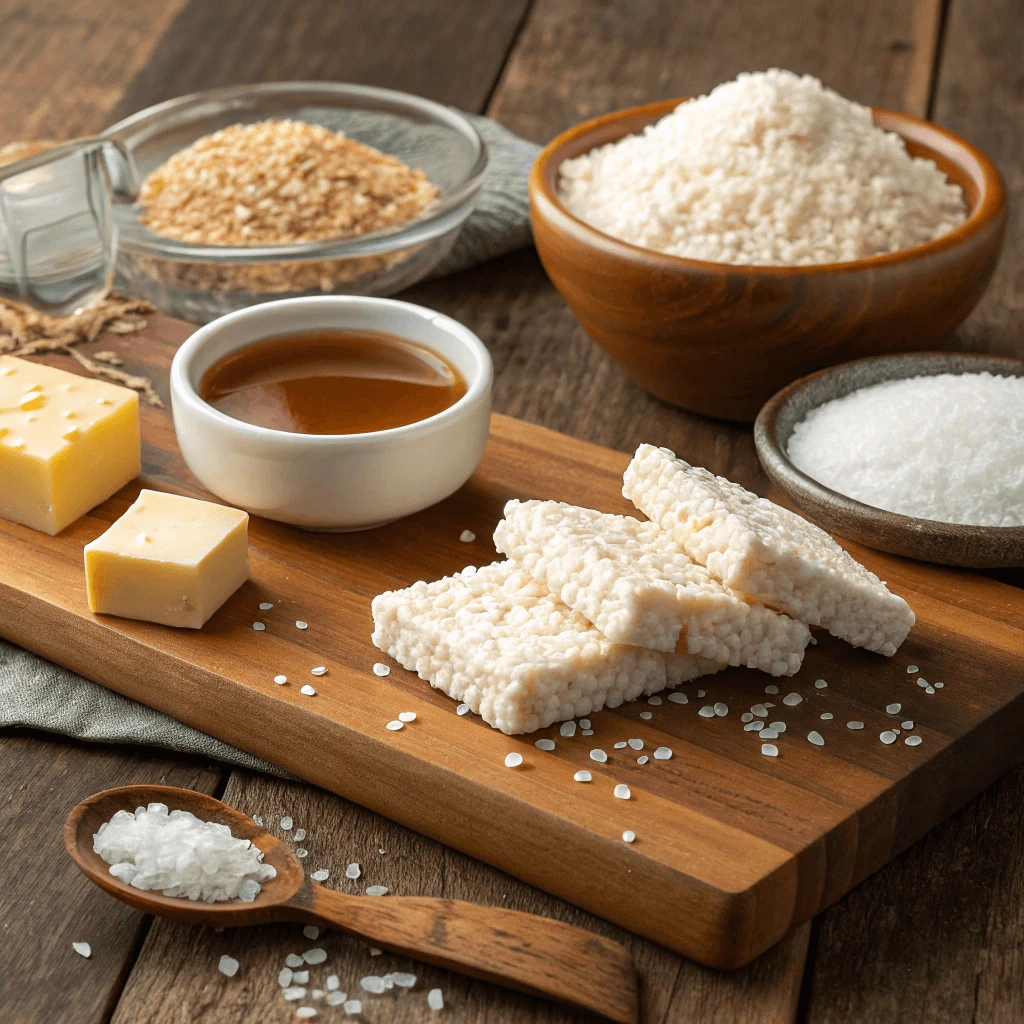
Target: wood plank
[672, 989]
[47, 902]
[576, 59]
[955, 954]
[450, 51]
[63, 67]
[980, 95]
[741, 846]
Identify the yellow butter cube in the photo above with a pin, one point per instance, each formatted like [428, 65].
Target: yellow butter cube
[66, 443]
[168, 559]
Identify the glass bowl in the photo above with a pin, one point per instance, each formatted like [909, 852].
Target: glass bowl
[202, 282]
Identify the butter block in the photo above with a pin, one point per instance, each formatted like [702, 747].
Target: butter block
[168, 559]
[66, 443]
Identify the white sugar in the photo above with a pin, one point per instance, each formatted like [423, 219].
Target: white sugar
[816, 738]
[305, 1012]
[948, 448]
[721, 710]
[284, 979]
[513, 760]
[435, 999]
[372, 983]
[353, 871]
[320, 876]
[377, 890]
[582, 776]
[913, 741]
[769, 169]
[769, 750]
[629, 836]
[380, 669]
[622, 792]
[315, 956]
[352, 1007]
[176, 853]
[662, 753]
[308, 690]
[646, 715]
[462, 709]
[636, 743]
[598, 755]
[792, 699]
[545, 744]
[294, 960]
[82, 949]
[407, 716]
[679, 698]
[467, 536]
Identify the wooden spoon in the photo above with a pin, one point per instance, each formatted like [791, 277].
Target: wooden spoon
[505, 947]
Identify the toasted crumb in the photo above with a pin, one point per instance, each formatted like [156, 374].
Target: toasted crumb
[280, 182]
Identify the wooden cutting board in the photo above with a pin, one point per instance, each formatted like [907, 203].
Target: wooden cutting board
[732, 848]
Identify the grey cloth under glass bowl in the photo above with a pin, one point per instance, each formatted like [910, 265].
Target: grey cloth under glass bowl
[477, 215]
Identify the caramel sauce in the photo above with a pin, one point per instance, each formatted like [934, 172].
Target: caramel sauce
[332, 382]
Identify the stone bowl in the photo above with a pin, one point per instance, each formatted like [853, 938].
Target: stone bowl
[976, 547]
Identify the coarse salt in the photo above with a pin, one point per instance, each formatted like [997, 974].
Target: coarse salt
[178, 854]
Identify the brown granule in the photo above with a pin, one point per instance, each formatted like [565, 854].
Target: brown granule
[26, 332]
[280, 182]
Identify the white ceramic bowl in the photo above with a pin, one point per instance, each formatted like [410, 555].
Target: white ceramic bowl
[332, 481]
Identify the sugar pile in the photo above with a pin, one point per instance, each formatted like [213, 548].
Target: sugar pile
[773, 169]
[180, 855]
[947, 448]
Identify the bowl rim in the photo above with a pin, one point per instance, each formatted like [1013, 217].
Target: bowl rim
[774, 457]
[991, 204]
[449, 211]
[184, 391]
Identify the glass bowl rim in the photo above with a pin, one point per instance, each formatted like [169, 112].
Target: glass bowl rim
[450, 210]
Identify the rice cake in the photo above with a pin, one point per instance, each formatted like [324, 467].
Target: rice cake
[761, 549]
[499, 641]
[637, 586]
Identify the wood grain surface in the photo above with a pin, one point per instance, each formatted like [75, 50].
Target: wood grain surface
[739, 846]
[65, 70]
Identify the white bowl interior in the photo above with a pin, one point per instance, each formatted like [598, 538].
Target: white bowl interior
[435, 331]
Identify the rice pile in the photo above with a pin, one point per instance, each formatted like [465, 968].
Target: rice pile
[771, 169]
[180, 855]
[948, 448]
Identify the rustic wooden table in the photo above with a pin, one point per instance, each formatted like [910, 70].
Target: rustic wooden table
[935, 937]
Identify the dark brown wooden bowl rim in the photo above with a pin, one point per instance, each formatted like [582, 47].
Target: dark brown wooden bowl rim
[773, 455]
[990, 205]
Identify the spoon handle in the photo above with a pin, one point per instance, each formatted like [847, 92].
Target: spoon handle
[506, 947]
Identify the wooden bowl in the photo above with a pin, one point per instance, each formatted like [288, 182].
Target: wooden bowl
[977, 547]
[719, 339]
